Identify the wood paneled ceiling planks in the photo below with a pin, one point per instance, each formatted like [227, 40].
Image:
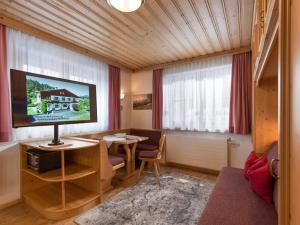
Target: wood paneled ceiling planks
[161, 31]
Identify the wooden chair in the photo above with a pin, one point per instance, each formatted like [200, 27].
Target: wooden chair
[152, 157]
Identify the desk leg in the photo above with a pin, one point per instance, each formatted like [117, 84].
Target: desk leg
[114, 148]
[133, 157]
[129, 160]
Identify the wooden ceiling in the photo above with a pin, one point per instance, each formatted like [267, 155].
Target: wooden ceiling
[161, 31]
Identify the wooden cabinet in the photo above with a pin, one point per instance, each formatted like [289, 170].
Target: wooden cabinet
[264, 34]
[76, 186]
[265, 74]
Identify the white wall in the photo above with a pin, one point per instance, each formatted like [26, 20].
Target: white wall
[239, 149]
[186, 144]
[9, 173]
[126, 102]
[141, 83]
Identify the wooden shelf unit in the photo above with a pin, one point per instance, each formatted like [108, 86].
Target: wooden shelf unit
[75, 187]
[49, 197]
[264, 34]
[72, 171]
[265, 74]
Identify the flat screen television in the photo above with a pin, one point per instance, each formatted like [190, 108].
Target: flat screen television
[39, 100]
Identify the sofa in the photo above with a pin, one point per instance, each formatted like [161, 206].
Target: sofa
[233, 202]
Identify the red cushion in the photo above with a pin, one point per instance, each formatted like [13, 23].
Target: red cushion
[261, 182]
[251, 159]
[146, 147]
[148, 154]
[115, 160]
[256, 164]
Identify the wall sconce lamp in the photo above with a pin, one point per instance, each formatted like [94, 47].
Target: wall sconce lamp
[122, 96]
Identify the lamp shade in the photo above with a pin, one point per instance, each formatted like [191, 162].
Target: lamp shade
[126, 5]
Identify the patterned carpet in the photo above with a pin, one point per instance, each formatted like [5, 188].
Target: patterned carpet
[180, 199]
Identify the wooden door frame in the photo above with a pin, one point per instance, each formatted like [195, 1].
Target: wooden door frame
[284, 110]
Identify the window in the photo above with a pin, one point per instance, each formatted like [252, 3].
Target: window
[31, 54]
[196, 95]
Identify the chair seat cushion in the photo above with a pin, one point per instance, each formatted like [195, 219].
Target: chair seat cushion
[148, 154]
[146, 147]
[115, 160]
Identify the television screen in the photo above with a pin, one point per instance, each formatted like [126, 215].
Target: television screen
[43, 100]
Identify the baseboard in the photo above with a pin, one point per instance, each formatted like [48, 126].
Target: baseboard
[193, 168]
[8, 204]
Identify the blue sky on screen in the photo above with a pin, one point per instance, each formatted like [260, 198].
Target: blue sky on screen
[78, 89]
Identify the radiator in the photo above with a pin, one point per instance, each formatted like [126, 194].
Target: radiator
[198, 150]
[9, 174]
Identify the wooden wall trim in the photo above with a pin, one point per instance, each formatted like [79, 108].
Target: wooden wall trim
[284, 110]
[194, 59]
[192, 168]
[9, 204]
[13, 23]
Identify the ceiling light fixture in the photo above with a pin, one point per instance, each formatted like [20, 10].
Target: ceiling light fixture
[126, 5]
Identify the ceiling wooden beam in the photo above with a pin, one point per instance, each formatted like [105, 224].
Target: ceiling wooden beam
[13, 23]
[202, 24]
[192, 48]
[227, 23]
[197, 58]
[160, 31]
[215, 24]
[239, 20]
[73, 33]
[186, 20]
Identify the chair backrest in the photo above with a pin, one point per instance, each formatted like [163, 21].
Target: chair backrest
[153, 135]
[161, 145]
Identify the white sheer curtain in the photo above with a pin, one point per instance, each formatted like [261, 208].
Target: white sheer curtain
[31, 54]
[196, 95]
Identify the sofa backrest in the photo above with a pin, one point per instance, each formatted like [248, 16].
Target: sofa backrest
[272, 156]
[153, 135]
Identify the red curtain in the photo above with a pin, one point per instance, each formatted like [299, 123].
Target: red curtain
[157, 99]
[5, 117]
[241, 94]
[114, 106]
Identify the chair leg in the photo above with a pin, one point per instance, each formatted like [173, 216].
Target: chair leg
[158, 166]
[157, 172]
[141, 168]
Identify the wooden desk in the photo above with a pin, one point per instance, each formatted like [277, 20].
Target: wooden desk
[130, 152]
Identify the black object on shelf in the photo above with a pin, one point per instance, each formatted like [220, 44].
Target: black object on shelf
[42, 161]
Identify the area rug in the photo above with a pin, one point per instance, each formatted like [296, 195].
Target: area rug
[180, 199]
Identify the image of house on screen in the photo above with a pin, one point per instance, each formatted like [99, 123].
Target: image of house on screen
[58, 99]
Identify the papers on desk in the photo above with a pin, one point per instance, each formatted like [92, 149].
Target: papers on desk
[109, 139]
[112, 138]
[133, 137]
[127, 137]
[120, 135]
